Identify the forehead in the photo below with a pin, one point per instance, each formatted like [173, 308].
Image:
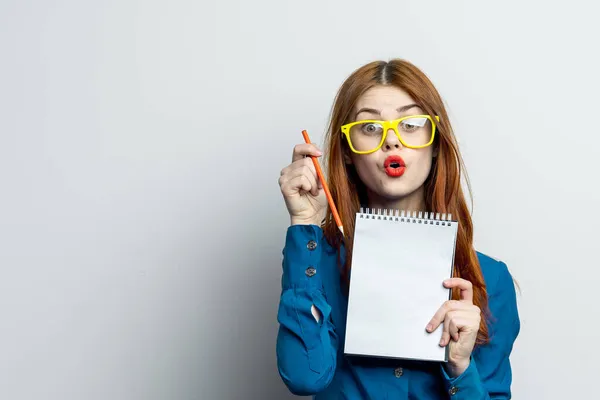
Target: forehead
[384, 98]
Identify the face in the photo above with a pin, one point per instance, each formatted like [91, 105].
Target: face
[387, 184]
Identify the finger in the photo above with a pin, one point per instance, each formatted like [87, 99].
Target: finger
[440, 315]
[453, 327]
[313, 176]
[305, 149]
[466, 287]
[305, 166]
[295, 184]
[305, 161]
[445, 338]
[470, 317]
[311, 165]
[304, 170]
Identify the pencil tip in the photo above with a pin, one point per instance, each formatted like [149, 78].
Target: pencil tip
[341, 229]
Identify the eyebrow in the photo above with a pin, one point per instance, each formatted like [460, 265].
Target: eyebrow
[377, 112]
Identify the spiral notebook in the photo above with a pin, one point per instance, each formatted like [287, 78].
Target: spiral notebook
[399, 261]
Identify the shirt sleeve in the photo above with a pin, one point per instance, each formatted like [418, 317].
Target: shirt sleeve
[489, 373]
[306, 349]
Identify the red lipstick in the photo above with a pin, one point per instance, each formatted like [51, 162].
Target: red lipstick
[394, 166]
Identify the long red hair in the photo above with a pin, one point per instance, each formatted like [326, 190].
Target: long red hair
[443, 189]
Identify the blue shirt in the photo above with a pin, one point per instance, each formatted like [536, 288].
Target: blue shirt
[310, 355]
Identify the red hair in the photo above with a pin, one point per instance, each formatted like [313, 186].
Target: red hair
[443, 190]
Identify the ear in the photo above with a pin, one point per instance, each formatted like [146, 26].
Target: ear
[347, 158]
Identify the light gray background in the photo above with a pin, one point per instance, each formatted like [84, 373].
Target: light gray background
[141, 224]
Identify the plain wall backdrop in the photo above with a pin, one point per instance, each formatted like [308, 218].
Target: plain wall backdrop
[141, 224]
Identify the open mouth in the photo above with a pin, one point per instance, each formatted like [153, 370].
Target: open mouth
[394, 166]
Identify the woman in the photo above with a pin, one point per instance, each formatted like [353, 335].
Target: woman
[406, 119]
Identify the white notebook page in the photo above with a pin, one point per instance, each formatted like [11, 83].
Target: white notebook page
[396, 286]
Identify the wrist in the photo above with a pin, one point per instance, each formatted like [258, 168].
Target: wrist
[457, 368]
[303, 221]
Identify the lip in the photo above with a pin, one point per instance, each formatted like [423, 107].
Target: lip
[394, 166]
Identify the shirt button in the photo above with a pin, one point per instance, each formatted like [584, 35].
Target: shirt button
[310, 271]
[311, 245]
[453, 390]
[398, 372]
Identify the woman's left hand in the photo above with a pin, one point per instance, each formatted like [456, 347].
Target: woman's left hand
[461, 320]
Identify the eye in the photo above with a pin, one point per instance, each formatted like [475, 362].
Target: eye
[413, 124]
[370, 128]
[409, 127]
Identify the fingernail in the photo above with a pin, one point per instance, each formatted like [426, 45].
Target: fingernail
[429, 328]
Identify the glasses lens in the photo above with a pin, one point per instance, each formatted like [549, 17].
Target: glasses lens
[366, 136]
[416, 131]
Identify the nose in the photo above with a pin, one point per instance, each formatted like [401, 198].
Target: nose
[391, 141]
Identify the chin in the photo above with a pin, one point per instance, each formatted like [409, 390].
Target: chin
[395, 196]
[397, 191]
[391, 190]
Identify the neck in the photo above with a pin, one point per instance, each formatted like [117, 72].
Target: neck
[414, 201]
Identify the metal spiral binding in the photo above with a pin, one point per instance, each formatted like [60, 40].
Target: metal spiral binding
[416, 217]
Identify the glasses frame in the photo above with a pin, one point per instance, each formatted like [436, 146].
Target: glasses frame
[387, 125]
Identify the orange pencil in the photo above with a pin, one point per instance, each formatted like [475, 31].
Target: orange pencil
[336, 217]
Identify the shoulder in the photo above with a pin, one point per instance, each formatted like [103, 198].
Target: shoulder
[500, 287]
[496, 275]
[504, 322]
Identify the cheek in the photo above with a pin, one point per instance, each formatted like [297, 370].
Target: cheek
[422, 162]
[366, 164]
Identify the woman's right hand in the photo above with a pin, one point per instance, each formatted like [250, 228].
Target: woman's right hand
[302, 191]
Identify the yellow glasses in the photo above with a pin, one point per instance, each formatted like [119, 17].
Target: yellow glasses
[413, 131]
